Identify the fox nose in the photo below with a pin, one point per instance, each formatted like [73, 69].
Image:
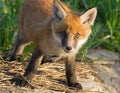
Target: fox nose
[68, 48]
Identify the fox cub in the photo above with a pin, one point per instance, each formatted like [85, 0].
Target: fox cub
[55, 30]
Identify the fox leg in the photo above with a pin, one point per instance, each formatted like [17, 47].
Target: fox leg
[31, 69]
[50, 58]
[70, 72]
[18, 49]
[34, 63]
[46, 59]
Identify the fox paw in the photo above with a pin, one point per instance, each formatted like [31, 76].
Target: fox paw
[15, 58]
[21, 81]
[76, 85]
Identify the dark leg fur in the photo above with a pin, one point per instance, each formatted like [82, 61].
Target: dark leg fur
[50, 58]
[18, 49]
[46, 59]
[70, 72]
[31, 68]
[34, 63]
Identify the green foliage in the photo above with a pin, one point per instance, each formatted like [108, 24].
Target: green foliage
[106, 31]
[8, 21]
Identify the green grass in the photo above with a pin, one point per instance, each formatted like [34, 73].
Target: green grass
[106, 31]
[8, 22]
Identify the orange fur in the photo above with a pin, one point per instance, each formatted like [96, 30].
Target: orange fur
[35, 21]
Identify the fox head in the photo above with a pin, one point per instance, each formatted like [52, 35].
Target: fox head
[71, 29]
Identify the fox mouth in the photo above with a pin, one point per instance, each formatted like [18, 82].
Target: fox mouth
[66, 51]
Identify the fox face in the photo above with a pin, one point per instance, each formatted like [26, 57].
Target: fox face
[70, 29]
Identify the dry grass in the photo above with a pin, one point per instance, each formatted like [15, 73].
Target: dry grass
[50, 77]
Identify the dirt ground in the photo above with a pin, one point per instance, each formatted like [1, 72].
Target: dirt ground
[102, 76]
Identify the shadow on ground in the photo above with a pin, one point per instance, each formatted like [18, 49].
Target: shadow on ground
[102, 76]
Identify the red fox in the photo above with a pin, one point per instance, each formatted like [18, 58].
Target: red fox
[55, 30]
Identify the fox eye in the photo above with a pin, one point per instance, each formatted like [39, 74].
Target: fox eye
[63, 33]
[77, 35]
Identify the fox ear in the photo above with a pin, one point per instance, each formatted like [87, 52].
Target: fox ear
[89, 16]
[58, 12]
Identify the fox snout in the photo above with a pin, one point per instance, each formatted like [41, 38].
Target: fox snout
[67, 45]
[67, 49]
